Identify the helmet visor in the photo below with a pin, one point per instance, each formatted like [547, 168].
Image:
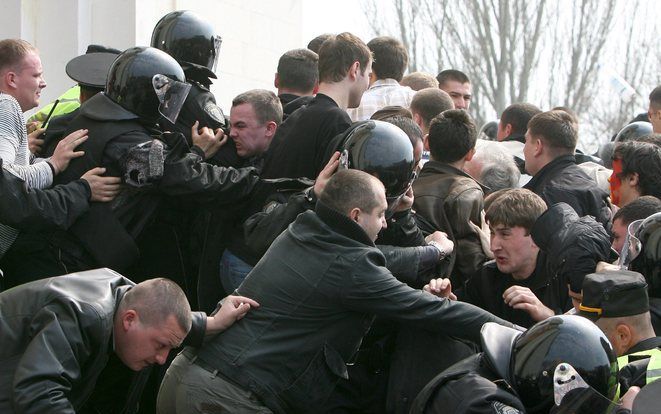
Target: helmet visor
[171, 94]
[217, 41]
[573, 395]
[632, 245]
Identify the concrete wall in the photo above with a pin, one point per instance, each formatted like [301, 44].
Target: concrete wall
[255, 33]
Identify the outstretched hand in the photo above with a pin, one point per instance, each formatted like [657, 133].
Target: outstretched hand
[233, 309]
[103, 189]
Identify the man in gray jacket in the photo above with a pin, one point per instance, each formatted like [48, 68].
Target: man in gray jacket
[319, 286]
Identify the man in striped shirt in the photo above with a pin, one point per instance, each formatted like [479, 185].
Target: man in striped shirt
[21, 82]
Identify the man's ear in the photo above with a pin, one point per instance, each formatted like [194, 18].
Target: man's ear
[276, 81]
[354, 214]
[633, 179]
[316, 88]
[508, 130]
[538, 146]
[425, 142]
[470, 154]
[417, 119]
[354, 71]
[271, 127]
[9, 79]
[129, 318]
[624, 335]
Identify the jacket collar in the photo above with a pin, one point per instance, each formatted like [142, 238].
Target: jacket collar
[516, 137]
[101, 108]
[437, 167]
[646, 345]
[342, 224]
[551, 169]
[557, 217]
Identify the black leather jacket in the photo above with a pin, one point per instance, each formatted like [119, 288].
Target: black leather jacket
[36, 210]
[56, 337]
[562, 180]
[319, 287]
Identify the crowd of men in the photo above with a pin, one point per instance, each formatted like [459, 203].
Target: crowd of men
[359, 244]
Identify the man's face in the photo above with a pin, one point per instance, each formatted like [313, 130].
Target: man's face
[360, 86]
[619, 234]
[654, 114]
[138, 345]
[373, 221]
[622, 190]
[529, 149]
[459, 92]
[29, 82]
[251, 137]
[514, 250]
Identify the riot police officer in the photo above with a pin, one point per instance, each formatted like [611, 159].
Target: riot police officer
[529, 372]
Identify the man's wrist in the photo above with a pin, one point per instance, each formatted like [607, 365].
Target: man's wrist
[441, 252]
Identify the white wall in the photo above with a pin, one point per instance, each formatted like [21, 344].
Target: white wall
[255, 33]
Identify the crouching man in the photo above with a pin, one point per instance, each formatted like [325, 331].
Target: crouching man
[57, 334]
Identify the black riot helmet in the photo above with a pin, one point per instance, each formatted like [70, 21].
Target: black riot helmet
[634, 130]
[147, 82]
[382, 150]
[646, 247]
[562, 339]
[189, 39]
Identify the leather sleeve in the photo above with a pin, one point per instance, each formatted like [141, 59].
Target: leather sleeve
[461, 211]
[373, 289]
[37, 210]
[402, 231]
[188, 175]
[198, 329]
[261, 229]
[411, 265]
[52, 363]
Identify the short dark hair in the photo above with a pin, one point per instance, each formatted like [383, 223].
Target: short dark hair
[644, 159]
[265, 103]
[390, 58]
[419, 80]
[298, 70]
[452, 134]
[518, 115]
[315, 44]
[348, 189]
[516, 207]
[556, 128]
[12, 52]
[392, 110]
[430, 102]
[406, 124]
[452, 75]
[655, 97]
[157, 299]
[338, 53]
[640, 208]
[653, 138]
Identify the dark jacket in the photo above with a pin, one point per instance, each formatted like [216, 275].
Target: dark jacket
[485, 290]
[450, 200]
[562, 180]
[402, 243]
[477, 385]
[573, 245]
[37, 210]
[319, 287]
[152, 167]
[56, 338]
